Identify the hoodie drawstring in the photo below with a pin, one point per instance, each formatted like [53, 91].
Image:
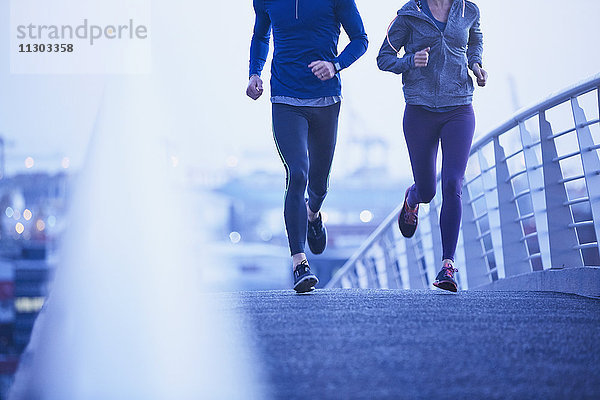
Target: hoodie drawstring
[463, 13]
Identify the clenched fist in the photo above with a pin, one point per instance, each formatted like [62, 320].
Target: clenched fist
[324, 70]
[480, 74]
[422, 58]
[255, 87]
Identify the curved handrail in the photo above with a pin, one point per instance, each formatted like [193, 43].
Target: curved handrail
[525, 113]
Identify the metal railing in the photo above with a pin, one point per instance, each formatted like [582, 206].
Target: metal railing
[531, 201]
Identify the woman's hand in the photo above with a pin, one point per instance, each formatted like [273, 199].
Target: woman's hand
[422, 58]
[480, 74]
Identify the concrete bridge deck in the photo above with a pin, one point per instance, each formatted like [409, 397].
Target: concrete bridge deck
[397, 344]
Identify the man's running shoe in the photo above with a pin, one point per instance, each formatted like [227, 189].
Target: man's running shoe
[445, 278]
[316, 236]
[408, 218]
[304, 280]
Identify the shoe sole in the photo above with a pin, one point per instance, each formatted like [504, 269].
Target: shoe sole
[306, 284]
[446, 285]
[323, 249]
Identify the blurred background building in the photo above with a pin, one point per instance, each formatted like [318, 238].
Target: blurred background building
[32, 218]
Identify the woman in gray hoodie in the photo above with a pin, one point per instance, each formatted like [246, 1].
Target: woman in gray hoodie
[441, 40]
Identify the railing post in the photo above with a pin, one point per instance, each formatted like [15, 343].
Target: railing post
[421, 252]
[562, 239]
[436, 236]
[402, 260]
[477, 270]
[591, 163]
[414, 272]
[513, 249]
[536, 190]
[491, 202]
[380, 260]
[361, 274]
[463, 274]
[370, 265]
[343, 283]
[398, 272]
[389, 253]
[354, 277]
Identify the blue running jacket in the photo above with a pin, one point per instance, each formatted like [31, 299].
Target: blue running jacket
[305, 31]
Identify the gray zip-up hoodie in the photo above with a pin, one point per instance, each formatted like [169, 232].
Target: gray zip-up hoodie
[445, 81]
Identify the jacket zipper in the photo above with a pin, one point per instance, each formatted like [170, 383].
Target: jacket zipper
[297, 9]
[429, 21]
[423, 17]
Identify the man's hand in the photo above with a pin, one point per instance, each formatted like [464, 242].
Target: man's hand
[255, 87]
[324, 70]
[422, 58]
[480, 74]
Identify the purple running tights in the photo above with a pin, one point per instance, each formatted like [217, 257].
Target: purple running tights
[423, 130]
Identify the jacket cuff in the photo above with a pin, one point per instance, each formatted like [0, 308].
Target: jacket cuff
[475, 61]
[411, 60]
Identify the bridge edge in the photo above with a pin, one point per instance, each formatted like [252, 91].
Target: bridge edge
[582, 281]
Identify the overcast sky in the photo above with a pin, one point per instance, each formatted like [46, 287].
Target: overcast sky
[200, 52]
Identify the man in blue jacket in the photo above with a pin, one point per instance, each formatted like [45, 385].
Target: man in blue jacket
[306, 96]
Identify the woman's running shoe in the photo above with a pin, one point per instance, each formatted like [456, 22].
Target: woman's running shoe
[408, 218]
[445, 278]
